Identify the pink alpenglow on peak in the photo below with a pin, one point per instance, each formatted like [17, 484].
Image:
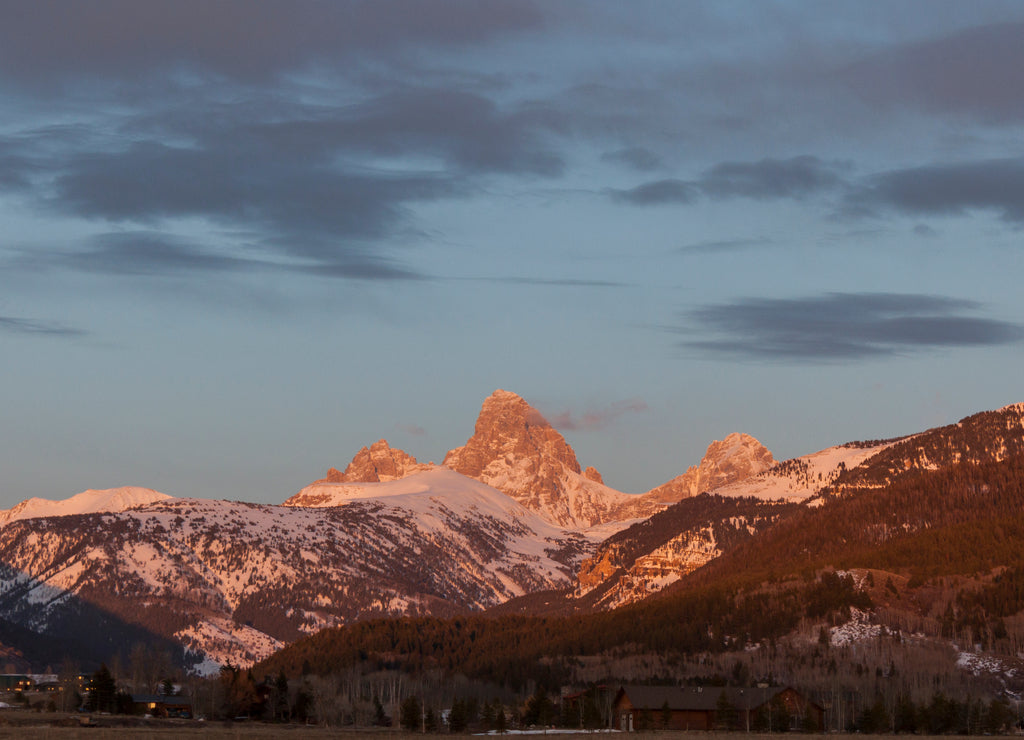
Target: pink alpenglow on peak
[516, 450]
[733, 459]
[86, 502]
[376, 464]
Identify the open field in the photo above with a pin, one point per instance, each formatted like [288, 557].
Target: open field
[33, 726]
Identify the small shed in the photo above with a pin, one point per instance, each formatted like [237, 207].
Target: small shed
[712, 707]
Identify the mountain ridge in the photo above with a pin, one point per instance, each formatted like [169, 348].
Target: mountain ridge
[235, 581]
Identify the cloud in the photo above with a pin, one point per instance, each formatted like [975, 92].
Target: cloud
[414, 430]
[637, 157]
[465, 129]
[840, 326]
[327, 185]
[245, 40]
[977, 71]
[718, 246]
[554, 282]
[947, 189]
[148, 253]
[158, 254]
[16, 325]
[153, 181]
[659, 192]
[595, 419]
[765, 179]
[770, 178]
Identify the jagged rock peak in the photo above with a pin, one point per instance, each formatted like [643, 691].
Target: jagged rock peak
[591, 474]
[375, 464]
[734, 458]
[726, 461]
[508, 425]
[515, 449]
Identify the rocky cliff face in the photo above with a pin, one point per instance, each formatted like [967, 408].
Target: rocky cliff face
[650, 555]
[377, 463]
[516, 450]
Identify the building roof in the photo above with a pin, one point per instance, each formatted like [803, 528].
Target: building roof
[171, 701]
[697, 698]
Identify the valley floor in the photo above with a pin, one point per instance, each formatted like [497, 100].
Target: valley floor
[33, 726]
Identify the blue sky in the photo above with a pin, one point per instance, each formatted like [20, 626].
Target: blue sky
[243, 239]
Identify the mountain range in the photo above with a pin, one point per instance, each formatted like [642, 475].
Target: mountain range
[509, 521]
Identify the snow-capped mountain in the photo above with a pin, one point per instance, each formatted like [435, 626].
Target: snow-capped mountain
[802, 478]
[733, 459]
[86, 502]
[234, 581]
[516, 450]
[509, 514]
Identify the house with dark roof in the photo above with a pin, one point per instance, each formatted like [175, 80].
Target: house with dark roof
[160, 705]
[713, 707]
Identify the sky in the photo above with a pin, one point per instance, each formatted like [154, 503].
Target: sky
[243, 239]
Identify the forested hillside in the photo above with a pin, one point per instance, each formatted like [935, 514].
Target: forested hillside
[951, 540]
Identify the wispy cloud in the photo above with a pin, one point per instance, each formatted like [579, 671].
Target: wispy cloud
[414, 430]
[636, 157]
[658, 192]
[553, 282]
[839, 327]
[766, 179]
[18, 325]
[771, 178]
[594, 419]
[716, 246]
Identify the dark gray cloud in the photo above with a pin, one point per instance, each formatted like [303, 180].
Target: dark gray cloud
[248, 40]
[16, 325]
[465, 130]
[636, 157]
[304, 178]
[840, 327]
[978, 71]
[771, 178]
[153, 181]
[796, 177]
[659, 192]
[946, 189]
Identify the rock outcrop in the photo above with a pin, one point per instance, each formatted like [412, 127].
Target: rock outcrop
[516, 450]
[376, 464]
[735, 458]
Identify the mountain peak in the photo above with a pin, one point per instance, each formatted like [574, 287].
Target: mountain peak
[726, 461]
[376, 463]
[516, 450]
[509, 426]
[87, 502]
[736, 457]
